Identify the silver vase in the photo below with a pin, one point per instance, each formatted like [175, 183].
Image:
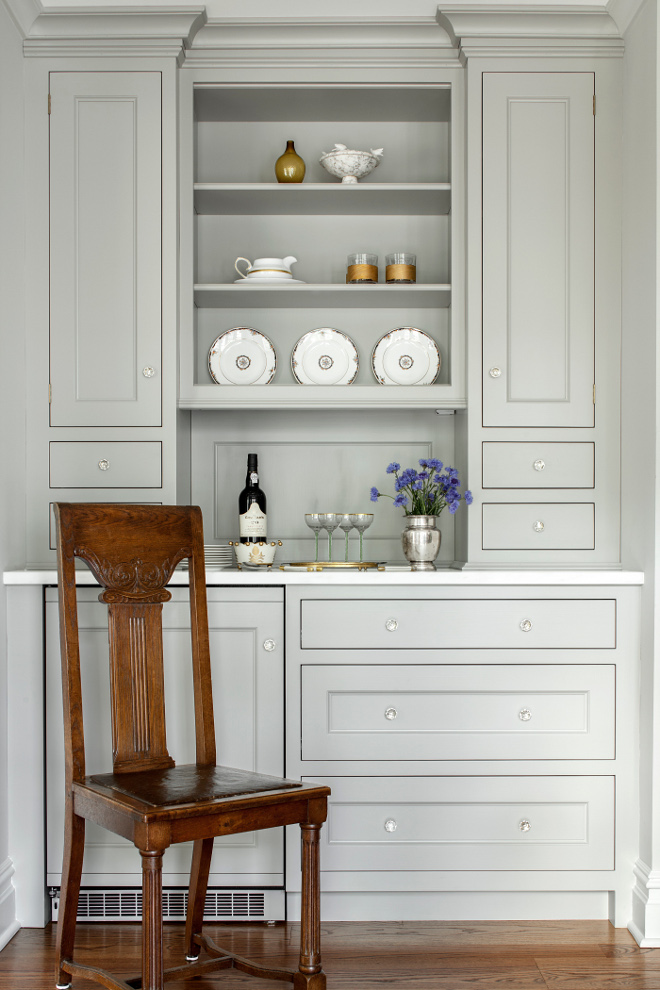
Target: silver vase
[421, 542]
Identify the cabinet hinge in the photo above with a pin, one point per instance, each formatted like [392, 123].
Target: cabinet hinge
[50, 393]
[594, 104]
[49, 103]
[594, 395]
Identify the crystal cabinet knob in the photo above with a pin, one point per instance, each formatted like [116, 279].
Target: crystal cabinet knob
[538, 526]
[104, 465]
[148, 372]
[391, 625]
[539, 465]
[390, 825]
[524, 825]
[524, 714]
[391, 713]
[269, 645]
[495, 372]
[526, 625]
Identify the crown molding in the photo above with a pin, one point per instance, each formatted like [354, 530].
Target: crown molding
[526, 29]
[23, 13]
[624, 12]
[107, 31]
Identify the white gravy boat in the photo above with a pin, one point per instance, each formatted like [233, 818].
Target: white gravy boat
[266, 267]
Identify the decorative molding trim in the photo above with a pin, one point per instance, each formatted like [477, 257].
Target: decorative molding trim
[417, 42]
[624, 12]
[23, 13]
[645, 924]
[8, 923]
[132, 31]
[507, 29]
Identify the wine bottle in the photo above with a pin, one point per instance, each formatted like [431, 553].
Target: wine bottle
[252, 506]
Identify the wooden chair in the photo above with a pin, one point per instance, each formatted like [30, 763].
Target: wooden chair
[132, 551]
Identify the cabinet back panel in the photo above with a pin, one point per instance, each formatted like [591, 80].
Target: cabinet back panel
[324, 462]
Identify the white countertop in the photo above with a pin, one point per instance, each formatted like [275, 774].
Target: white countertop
[392, 575]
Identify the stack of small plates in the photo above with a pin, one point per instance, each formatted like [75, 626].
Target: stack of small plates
[215, 556]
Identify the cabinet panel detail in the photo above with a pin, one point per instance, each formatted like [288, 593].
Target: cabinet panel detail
[523, 624]
[469, 823]
[538, 465]
[105, 223]
[539, 526]
[95, 464]
[538, 249]
[413, 712]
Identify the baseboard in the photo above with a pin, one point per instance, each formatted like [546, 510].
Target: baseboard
[8, 923]
[645, 924]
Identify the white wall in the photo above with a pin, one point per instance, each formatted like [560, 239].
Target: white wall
[12, 388]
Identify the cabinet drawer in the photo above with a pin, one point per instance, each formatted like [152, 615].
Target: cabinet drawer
[92, 464]
[469, 823]
[538, 526]
[458, 624]
[496, 712]
[538, 465]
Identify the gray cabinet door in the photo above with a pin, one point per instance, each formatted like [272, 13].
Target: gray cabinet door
[538, 249]
[248, 706]
[105, 248]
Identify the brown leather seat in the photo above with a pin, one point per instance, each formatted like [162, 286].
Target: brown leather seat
[132, 551]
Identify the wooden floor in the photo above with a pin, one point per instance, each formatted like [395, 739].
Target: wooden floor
[480, 955]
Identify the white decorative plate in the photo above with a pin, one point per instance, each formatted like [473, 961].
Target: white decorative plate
[325, 357]
[242, 356]
[406, 356]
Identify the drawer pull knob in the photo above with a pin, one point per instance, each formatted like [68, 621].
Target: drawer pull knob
[539, 465]
[269, 645]
[495, 372]
[391, 625]
[391, 713]
[524, 825]
[526, 625]
[390, 825]
[148, 372]
[524, 714]
[538, 526]
[104, 465]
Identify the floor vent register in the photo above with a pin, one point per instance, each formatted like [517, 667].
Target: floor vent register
[95, 904]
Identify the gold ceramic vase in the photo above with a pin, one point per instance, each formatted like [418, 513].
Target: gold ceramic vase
[290, 167]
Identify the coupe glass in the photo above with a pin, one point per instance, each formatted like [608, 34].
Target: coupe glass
[329, 522]
[313, 520]
[347, 525]
[361, 521]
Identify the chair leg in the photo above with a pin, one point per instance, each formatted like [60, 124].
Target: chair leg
[152, 920]
[310, 975]
[199, 878]
[74, 846]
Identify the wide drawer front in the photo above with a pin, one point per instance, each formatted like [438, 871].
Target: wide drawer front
[538, 465]
[498, 712]
[116, 464]
[367, 624]
[469, 823]
[538, 526]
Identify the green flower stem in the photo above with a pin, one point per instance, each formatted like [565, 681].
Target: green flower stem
[316, 534]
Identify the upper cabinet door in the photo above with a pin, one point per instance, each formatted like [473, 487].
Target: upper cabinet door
[538, 249]
[105, 248]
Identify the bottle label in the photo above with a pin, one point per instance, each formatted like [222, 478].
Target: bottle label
[252, 522]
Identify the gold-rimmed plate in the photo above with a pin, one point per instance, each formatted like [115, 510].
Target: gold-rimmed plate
[242, 356]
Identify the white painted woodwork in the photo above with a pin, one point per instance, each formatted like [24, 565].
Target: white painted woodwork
[497, 712]
[247, 698]
[469, 823]
[362, 624]
[538, 249]
[90, 464]
[540, 464]
[105, 248]
[539, 526]
[293, 198]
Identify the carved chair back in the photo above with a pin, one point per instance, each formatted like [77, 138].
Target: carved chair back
[132, 551]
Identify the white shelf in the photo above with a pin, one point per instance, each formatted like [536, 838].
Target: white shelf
[311, 295]
[373, 396]
[317, 198]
